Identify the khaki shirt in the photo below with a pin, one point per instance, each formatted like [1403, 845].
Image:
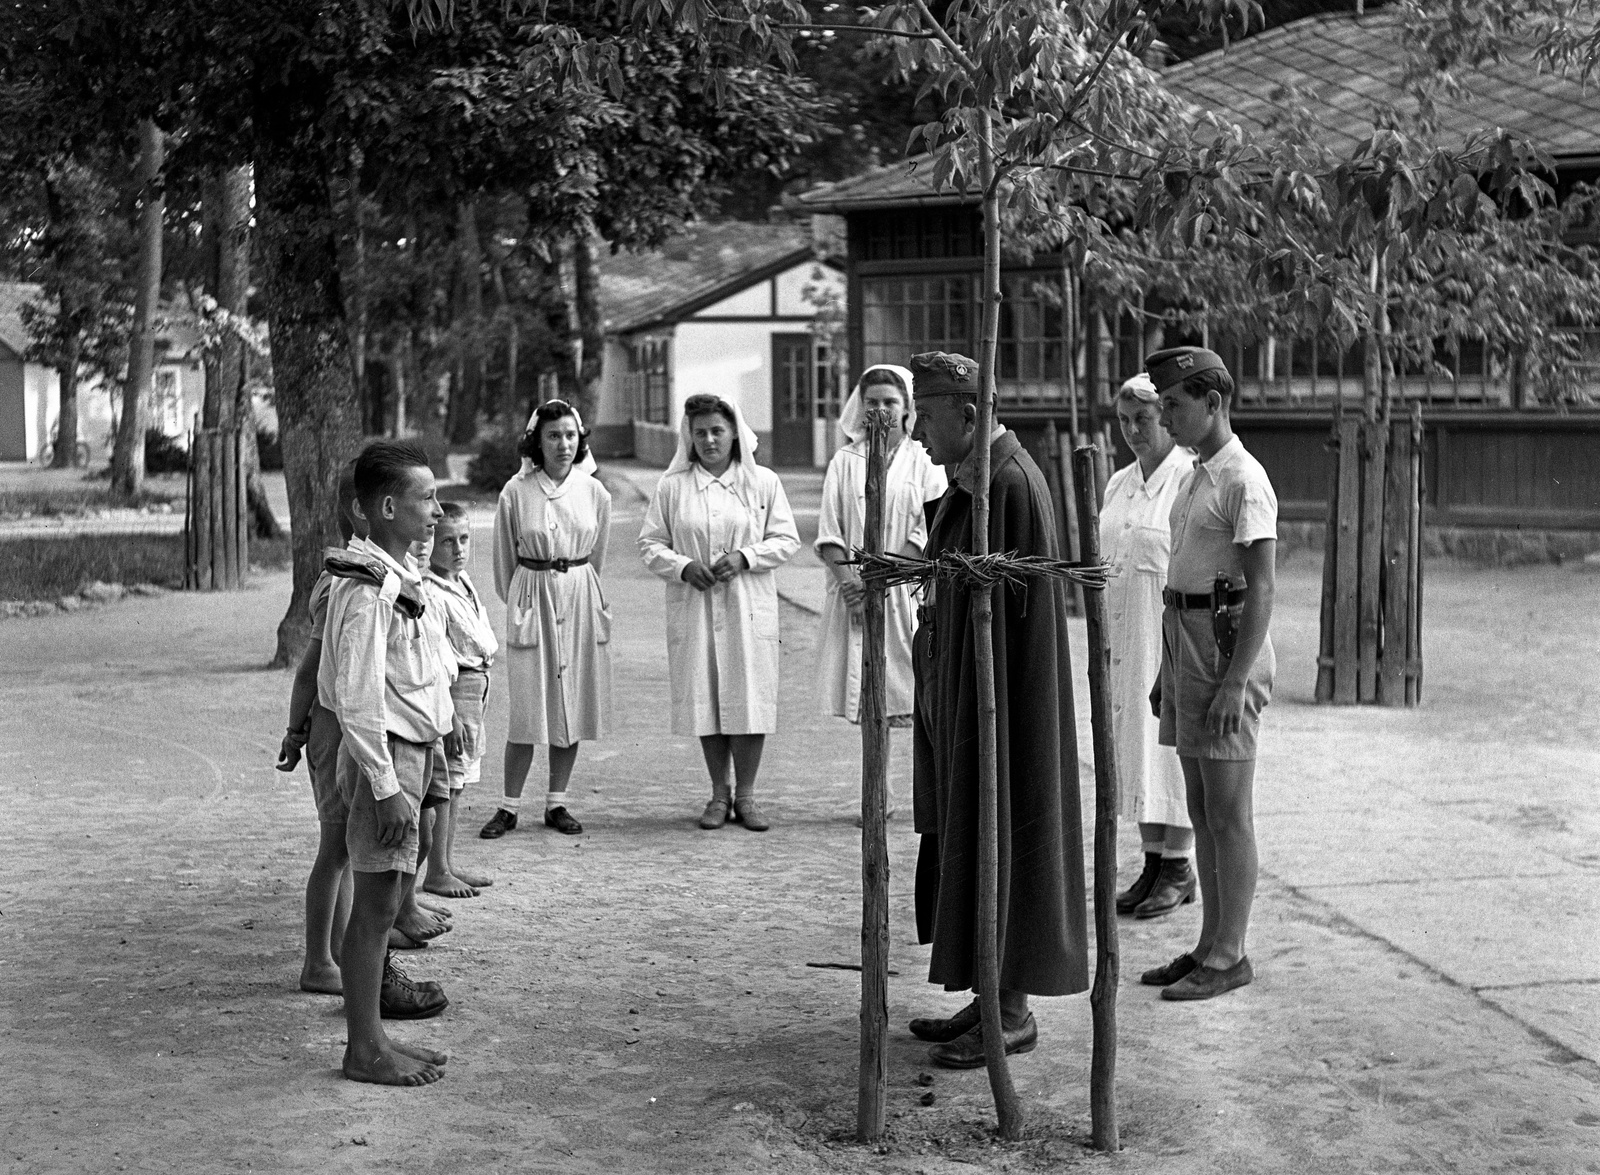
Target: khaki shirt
[1224, 505]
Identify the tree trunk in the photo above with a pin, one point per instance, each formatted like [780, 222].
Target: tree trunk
[591, 322]
[66, 442]
[127, 460]
[468, 398]
[319, 413]
[1008, 1107]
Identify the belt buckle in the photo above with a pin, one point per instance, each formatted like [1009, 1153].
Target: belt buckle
[559, 565]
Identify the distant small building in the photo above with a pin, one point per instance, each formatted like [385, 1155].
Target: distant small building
[726, 309]
[30, 393]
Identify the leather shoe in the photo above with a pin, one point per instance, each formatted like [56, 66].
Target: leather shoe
[1204, 983]
[749, 813]
[1140, 889]
[499, 824]
[940, 1031]
[1170, 972]
[394, 973]
[402, 999]
[1175, 886]
[715, 815]
[562, 820]
[966, 1051]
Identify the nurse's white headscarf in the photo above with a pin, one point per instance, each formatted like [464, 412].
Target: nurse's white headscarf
[853, 416]
[587, 465]
[684, 460]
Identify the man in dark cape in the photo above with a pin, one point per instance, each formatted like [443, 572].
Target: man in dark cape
[1043, 932]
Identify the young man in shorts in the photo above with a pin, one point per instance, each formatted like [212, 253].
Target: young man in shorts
[385, 673]
[1217, 662]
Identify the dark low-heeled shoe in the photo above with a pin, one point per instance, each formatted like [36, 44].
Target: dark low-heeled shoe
[939, 1031]
[966, 1052]
[1169, 972]
[748, 813]
[499, 824]
[562, 820]
[715, 815]
[1204, 983]
[402, 999]
[1175, 886]
[1129, 898]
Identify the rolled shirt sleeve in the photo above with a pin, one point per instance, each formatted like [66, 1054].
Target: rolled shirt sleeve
[361, 654]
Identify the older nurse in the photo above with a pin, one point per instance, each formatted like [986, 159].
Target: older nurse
[1134, 541]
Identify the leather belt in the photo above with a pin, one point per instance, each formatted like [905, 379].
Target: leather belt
[552, 564]
[1197, 601]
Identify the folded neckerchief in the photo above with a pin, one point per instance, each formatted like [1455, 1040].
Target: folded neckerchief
[346, 564]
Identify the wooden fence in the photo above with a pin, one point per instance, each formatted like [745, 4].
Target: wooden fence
[216, 524]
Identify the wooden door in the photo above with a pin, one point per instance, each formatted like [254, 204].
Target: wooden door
[793, 398]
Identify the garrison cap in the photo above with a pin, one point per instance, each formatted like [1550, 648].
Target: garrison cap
[1176, 364]
[938, 373]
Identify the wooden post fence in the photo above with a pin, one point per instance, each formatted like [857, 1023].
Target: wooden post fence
[216, 524]
[872, 1085]
[1103, 995]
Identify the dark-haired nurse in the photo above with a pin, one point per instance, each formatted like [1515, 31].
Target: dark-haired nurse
[550, 535]
[717, 527]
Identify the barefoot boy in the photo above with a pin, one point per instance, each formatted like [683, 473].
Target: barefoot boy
[384, 674]
[1217, 662]
[472, 643]
[316, 730]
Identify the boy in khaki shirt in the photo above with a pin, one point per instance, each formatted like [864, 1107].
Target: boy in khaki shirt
[1217, 662]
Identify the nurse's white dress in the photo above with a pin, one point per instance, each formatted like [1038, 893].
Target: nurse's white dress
[1135, 541]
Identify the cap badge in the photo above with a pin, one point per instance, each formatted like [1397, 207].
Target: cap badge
[961, 371]
[1184, 362]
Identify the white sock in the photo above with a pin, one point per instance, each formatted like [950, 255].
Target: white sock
[555, 799]
[1153, 847]
[510, 804]
[1174, 854]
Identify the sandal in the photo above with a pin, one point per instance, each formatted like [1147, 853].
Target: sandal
[715, 815]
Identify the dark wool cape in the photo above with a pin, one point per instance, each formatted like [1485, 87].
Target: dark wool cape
[1043, 927]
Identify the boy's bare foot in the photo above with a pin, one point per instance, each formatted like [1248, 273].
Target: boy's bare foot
[475, 880]
[390, 1066]
[398, 941]
[449, 886]
[321, 980]
[426, 1055]
[435, 907]
[421, 925]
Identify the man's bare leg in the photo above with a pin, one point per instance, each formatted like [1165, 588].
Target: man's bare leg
[1230, 822]
[474, 879]
[326, 890]
[1205, 856]
[414, 921]
[370, 1055]
[441, 879]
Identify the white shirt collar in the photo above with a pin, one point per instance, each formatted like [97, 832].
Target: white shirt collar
[703, 478]
[406, 570]
[1221, 459]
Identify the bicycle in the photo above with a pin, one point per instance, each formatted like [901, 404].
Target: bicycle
[80, 452]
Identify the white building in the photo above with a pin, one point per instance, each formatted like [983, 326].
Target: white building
[727, 309]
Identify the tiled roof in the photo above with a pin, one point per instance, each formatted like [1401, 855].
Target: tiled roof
[12, 296]
[704, 265]
[894, 185]
[1350, 63]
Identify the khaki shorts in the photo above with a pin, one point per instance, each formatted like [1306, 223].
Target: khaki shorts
[413, 767]
[1191, 670]
[322, 763]
[470, 694]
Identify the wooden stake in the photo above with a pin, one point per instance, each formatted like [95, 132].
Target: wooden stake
[1103, 995]
[190, 576]
[241, 498]
[872, 1080]
[1059, 475]
[204, 482]
[1330, 574]
[1414, 616]
[1396, 567]
[1369, 603]
[1346, 646]
[228, 501]
[1008, 1107]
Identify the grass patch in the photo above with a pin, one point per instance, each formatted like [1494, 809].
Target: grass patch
[46, 568]
[75, 501]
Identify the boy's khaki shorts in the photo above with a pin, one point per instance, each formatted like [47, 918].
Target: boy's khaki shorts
[413, 767]
[470, 694]
[322, 763]
[1191, 670]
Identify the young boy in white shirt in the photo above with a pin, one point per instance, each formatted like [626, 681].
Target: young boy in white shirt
[473, 645]
[1217, 663]
[385, 675]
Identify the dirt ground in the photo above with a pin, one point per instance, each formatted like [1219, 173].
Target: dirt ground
[639, 998]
